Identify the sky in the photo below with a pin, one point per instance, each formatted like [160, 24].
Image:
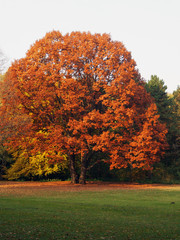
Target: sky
[149, 29]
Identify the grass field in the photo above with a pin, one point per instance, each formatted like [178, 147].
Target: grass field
[50, 212]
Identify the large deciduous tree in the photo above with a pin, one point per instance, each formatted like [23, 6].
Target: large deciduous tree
[82, 95]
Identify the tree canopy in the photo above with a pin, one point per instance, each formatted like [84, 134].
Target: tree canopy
[78, 95]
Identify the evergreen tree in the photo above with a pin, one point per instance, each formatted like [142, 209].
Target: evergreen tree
[164, 103]
[168, 110]
[176, 142]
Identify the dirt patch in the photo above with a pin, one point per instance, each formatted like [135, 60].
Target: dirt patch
[31, 188]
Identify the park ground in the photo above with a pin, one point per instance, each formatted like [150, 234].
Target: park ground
[28, 188]
[98, 210]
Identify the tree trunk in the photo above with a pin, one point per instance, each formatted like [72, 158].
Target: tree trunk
[82, 178]
[74, 178]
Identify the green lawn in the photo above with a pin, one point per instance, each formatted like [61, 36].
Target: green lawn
[111, 214]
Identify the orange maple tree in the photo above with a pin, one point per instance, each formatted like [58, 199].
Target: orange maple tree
[83, 95]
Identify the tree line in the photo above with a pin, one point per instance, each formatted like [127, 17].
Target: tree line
[76, 106]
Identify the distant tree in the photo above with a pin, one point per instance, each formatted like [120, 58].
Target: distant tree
[5, 156]
[157, 88]
[168, 110]
[176, 96]
[176, 140]
[5, 161]
[3, 61]
[81, 95]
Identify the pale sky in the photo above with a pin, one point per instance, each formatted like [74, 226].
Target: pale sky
[149, 29]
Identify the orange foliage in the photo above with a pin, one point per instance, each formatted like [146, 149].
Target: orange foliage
[84, 94]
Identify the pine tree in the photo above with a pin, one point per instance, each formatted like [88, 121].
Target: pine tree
[167, 106]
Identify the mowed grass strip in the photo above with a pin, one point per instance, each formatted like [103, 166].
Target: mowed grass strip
[110, 214]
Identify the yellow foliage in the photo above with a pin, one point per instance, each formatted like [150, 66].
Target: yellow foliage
[27, 94]
[40, 165]
[32, 166]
